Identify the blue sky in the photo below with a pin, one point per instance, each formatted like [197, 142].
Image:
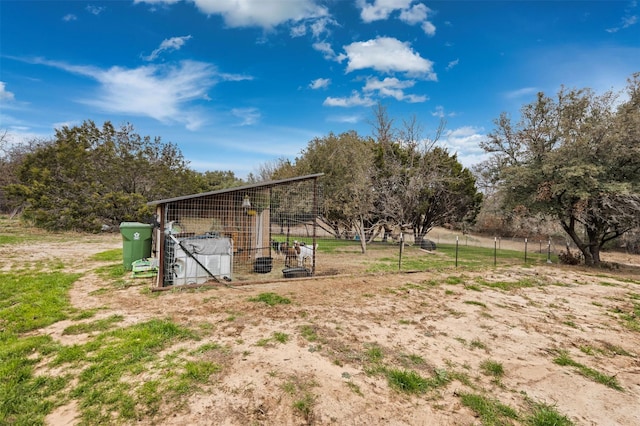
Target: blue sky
[240, 83]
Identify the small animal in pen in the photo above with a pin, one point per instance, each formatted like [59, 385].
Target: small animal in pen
[304, 252]
[290, 255]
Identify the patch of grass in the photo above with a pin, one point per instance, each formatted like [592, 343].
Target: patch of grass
[473, 287]
[453, 280]
[117, 354]
[200, 371]
[270, 299]
[475, 302]
[207, 347]
[490, 411]
[304, 400]
[263, 342]
[408, 381]
[25, 399]
[354, 388]
[477, 344]
[546, 415]
[90, 327]
[415, 359]
[280, 337]
[29, 302]
[374, 353]
[304, 406]
[509, 285]
[308, 332]
[564, 359]
[83, 314]
[632, 319]
[108, 256]
[111, 272]
[493, 368]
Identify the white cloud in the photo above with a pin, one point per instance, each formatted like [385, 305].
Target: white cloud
[5, 95]
[156, 1]
[428, 28]
[173, 43]
[386, 54]
[352, 119]
[409, 14]
[320, 83]
[440, 113]
[248, 116]
[260, 13]
[415, 14]
[452, 64]
[354, 100]
[326, 50]
[164, 93]
[95, 10]
[465, 141]
[629, 19]
[521, 93]
[393, 88]
[380, 9]
[298, 30]
[69, 17]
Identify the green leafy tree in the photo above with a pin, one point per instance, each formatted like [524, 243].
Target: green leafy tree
[347, 163]
[87, 177]
[575, 158]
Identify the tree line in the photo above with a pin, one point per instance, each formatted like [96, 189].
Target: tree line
[573, 158]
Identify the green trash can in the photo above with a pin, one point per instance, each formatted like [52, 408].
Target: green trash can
[136, 242]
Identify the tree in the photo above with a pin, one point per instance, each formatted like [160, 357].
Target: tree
[87, 177]
[347, 163]
[418, 185]
[575, 158]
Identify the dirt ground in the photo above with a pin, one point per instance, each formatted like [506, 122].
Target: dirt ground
[443, 318]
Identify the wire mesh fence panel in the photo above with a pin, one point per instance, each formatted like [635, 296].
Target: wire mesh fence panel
[237, 234]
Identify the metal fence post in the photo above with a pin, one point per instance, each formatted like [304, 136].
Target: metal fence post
[456, 251]
[525, 250]
[495, 251]
[401, 248]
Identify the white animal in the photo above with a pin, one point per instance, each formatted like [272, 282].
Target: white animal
[304, 252]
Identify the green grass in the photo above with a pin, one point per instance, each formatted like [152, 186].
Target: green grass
[270, 299]
[199, 371]
[308, 332]
[546, 415]
[280, 337]
[374, 353]
[469, 257]
[490, 411]
[493, 368]
[409, 381]
[90, 327]
[475, 302]
[31, 301]
[509, 285]
[564, 359]
[116, 376]
[108, 256]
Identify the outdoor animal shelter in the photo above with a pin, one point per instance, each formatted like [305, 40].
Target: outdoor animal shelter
[254, 232]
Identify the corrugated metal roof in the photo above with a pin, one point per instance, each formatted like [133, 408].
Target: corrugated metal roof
[236, 189]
